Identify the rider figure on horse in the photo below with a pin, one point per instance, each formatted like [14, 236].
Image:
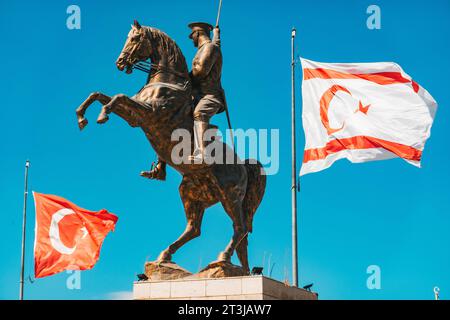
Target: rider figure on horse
[208, 95]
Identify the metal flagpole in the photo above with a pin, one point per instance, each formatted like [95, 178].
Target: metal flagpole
[294, 172]
[25, 196]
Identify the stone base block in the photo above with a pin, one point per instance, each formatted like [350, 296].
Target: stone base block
[156, 271]
[220, 270]
[232, 288]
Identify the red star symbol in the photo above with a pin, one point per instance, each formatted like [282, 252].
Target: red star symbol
[362, 108]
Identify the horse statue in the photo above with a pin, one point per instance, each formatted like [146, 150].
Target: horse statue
[164, 105]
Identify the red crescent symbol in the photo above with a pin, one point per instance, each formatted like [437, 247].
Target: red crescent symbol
[325, 104]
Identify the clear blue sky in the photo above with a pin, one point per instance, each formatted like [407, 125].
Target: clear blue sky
[385, 213]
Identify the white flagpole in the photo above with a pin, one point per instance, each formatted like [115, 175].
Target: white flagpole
[25, 196]
[294, 172]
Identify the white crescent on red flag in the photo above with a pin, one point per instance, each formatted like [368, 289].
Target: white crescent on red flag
[362, 112]
[67, 237]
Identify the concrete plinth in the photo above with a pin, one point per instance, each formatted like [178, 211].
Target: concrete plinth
[232, 288]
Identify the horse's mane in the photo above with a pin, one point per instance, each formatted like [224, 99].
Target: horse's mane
[169, 47]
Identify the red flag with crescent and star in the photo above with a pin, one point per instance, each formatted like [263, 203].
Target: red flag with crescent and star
[67, 237]
[362, 112]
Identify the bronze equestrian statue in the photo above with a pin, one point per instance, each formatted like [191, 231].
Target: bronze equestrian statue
[164, 105]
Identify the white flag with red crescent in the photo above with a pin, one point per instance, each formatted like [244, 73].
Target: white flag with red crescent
[362, 112]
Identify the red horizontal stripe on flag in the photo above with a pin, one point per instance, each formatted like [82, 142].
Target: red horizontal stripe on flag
[362, 142]
[382, 78]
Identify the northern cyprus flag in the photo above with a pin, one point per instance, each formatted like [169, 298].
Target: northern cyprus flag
[362, 112]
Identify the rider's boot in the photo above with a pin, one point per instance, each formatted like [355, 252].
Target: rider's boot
[198, 155]
[157, 172]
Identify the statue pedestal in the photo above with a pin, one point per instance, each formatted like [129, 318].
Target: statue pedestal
[230, 288]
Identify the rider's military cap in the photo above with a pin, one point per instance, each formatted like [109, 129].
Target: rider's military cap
[200, 26]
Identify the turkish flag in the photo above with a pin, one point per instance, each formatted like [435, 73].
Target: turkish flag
[67, 237]
[362, 112]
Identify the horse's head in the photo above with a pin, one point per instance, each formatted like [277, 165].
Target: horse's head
[137, 48]
[145, 43]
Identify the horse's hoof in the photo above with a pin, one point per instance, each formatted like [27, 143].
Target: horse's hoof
[82, 123]
[102, 119]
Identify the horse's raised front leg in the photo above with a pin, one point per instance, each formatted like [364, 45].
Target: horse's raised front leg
[132, 111]
[96, 96]
[194, 214]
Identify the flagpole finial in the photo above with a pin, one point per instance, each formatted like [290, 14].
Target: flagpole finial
[294, 32]
[27, 163]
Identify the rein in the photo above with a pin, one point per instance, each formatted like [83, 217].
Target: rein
[147, 67]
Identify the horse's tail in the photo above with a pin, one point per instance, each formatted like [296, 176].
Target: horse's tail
[256, 186]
